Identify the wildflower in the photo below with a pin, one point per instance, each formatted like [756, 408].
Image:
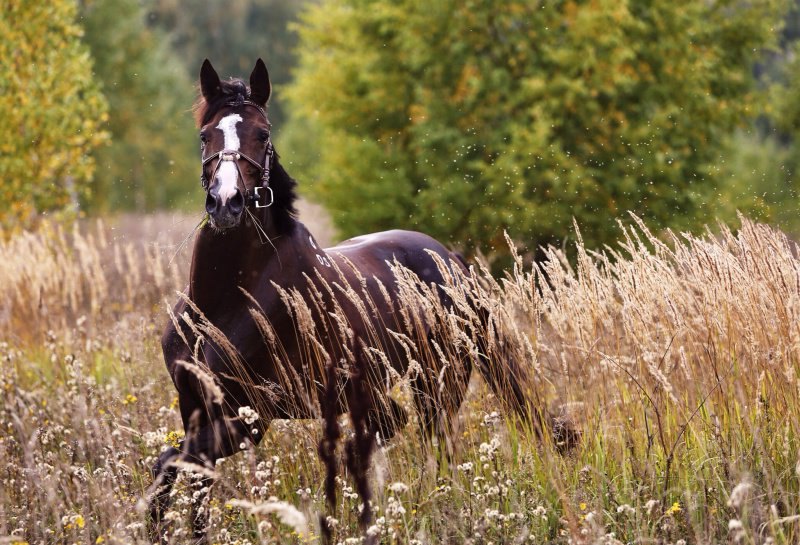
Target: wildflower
[287, 513]
[489, 449]
[491, 419]
[398, 487]
[626, 509]
[173, 438]
[72, 521]
[247, 414]
[583, 506]
[740, 495]
[130, 399]
[674, 509]
[466, 467]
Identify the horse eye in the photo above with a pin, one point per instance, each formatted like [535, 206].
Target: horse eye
[203, 138]
[263, 136]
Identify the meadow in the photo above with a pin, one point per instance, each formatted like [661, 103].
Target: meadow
[675, 356]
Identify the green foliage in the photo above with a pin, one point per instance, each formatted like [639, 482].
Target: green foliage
[464, 119]
[153, 159]
[757, 175]
[762, 163]
[50, 110]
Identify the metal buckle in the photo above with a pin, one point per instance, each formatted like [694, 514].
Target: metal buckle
[258, 197]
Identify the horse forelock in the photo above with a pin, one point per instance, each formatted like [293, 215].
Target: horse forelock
[233, 90]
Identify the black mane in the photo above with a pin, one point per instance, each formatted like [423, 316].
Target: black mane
[283, 186]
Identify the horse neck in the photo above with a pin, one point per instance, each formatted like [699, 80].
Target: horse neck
[221, 261]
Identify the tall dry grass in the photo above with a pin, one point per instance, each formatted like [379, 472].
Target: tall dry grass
[675, 355]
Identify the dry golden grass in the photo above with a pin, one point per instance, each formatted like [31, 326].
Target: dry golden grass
[677, 357]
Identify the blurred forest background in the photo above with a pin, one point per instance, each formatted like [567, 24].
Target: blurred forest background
[459, 118]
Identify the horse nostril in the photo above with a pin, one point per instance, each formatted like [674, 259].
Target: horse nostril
[236, 203]
[212, 203]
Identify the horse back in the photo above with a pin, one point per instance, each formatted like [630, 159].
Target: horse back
[372, 254]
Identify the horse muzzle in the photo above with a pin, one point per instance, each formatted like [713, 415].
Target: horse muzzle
[226, 213]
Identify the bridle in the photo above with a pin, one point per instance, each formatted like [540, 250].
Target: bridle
[255, 196]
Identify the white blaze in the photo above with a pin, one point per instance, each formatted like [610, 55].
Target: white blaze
[227, 173]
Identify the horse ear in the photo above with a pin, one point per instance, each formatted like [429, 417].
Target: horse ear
[209, 81]
[260, 88]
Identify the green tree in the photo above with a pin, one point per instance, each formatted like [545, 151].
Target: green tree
[51, 110]
[761, 166]
[467, 118]
[153, 160]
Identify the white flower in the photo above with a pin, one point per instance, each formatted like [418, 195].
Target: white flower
[735, 525]
[626, 509]
[398, 487]
[740, 494]
[288, 514]
[247, 414]
[491, 419]
[489, 449]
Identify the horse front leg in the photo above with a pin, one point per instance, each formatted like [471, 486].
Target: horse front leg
[220, 439]
[200, 450]
[164, 474]
[200, 513]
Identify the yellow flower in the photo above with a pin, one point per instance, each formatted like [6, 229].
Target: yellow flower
[100, 539]
[173, 438]
[79, 521]
[674, 508]
[174, 403]
[130, 398]
[583, 506]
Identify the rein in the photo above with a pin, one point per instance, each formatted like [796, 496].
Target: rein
[255, 196]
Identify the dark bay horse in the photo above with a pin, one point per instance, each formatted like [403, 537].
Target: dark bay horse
[252, 253]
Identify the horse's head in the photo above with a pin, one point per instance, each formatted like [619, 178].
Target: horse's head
[235, 142]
